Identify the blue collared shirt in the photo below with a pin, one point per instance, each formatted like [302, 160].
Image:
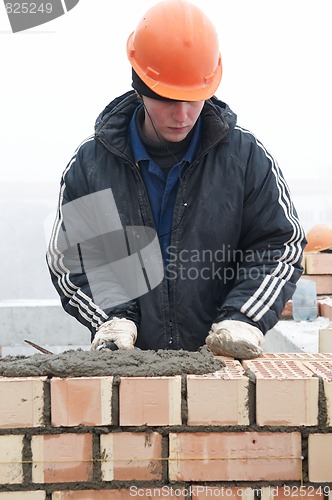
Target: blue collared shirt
[161, 188]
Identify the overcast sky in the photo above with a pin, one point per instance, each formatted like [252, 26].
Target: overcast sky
[56, 78]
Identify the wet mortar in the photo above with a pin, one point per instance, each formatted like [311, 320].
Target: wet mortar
[125, 363]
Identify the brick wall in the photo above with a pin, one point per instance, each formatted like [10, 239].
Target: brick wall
[256, 429]
[317, 267]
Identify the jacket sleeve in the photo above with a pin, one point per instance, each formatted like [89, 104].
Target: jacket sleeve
[87, 239]
[271, 244]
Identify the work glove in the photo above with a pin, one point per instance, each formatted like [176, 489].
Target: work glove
[118, 332]
[235, 338]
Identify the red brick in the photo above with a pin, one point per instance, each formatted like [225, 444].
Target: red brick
[318, 263]
[323, 283]
[325, 307]
[81, 401]
[131, 456]
[288, 310]
[225, 397]
[150, 401]
[235, 456]
[322, 368]
[21, 402]
[11, 448]
[295, 356]
[320, 458]
[286, 392]
[61, 458]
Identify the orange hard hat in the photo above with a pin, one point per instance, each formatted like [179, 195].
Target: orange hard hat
[175, 51]
[319, 238]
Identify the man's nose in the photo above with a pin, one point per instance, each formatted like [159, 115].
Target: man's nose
[180, 111]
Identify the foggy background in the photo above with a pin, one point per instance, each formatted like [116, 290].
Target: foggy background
[56, 78]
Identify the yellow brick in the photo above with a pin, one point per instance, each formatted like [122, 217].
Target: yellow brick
[21, 402]
[11, 471]
[23, 495]
[325, 339]
[320, 458]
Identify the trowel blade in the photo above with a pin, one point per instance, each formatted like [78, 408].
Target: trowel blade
[38, 347]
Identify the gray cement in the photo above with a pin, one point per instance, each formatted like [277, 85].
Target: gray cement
[80, 363]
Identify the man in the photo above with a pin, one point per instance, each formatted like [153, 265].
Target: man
[175, 227]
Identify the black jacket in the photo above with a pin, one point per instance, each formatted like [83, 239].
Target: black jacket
[236, 243]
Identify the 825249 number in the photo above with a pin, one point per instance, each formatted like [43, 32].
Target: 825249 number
[29, 8]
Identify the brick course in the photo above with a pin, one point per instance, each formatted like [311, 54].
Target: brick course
[265, 421]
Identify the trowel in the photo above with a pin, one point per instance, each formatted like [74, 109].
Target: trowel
[107, 345]
[38, 347]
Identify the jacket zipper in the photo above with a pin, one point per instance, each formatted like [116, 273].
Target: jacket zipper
[167, 298]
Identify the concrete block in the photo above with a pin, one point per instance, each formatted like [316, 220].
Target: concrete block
[11, 470]
[325, 339]
[286, 392]
[291, 336]
[150, 401]
[235, 456]
[225, 400]
[131, 456]
[320, 458]
[30, 319]
[21, 402]
[62, 458]
[81, 401]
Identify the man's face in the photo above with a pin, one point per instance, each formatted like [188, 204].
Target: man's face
[170, 120]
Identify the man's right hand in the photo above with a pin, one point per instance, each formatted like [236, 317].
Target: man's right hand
[120, 331]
